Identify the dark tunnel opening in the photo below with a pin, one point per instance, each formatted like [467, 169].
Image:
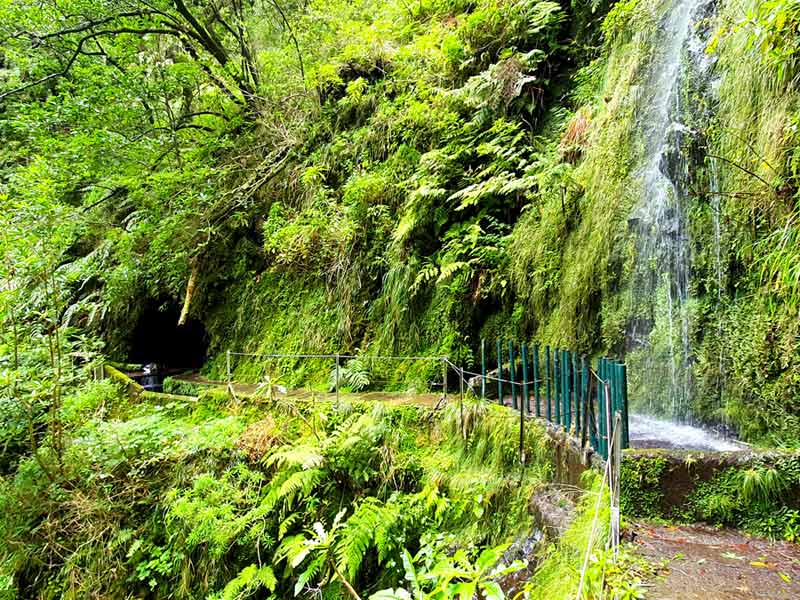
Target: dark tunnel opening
[158, 339]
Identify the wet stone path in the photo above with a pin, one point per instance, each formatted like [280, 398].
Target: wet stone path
[712, 564]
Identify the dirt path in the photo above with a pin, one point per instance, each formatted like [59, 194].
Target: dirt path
[394, 398]
[712, 564]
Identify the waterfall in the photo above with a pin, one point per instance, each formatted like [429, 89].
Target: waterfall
[660, 325]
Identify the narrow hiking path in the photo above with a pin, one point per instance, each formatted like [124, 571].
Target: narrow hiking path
[718, 564]
[400, 397]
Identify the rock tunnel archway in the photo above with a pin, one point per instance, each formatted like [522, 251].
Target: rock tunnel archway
[157, 338]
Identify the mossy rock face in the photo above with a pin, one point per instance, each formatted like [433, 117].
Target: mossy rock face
[641, 480]
[656, 483]
[132, 389]
[553, 510]
[755, 491]
[126, 367]
[161, 397]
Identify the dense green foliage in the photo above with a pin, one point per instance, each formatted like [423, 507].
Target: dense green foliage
[210, 498]
[642, 486]
[370, 178]
[383, 177]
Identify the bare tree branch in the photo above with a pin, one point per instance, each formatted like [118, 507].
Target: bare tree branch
[293, 36]
[89, 25]
[741, 168]
[79, 50]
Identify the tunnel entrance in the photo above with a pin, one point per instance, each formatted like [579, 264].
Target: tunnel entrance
[158, 339]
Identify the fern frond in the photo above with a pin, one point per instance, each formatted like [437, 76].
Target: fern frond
[287, 523]
[293, 550]
[309, 574]
[369, 526]
[304, 456]
[248, 581]
[299, 482]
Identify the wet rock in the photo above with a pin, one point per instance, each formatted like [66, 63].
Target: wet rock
[553, 509]
[524, 549]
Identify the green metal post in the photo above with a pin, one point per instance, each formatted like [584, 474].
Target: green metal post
[548, 391]
[562, 370]
[591, 412]
[601, 408]
[557, 385]
[483, 369]
[609, 370]
[612, 382]
[608, 374]
[567, 397]
[512, 374]
[562, 364]
[615, 406]
[613, 374]
[626, 440]
[522, 435]
[575, 393]
[583, 401]
[538, 409]
[524, 404]
[562, 381]
[499, 372]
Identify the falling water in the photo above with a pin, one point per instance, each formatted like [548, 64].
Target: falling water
[659, 335]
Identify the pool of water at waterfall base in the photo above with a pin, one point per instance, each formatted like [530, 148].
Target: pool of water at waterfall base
[652, 432]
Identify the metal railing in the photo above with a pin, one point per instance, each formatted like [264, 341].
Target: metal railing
[563, 389]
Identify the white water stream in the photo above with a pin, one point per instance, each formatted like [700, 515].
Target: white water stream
[650, 432]
[659, 334]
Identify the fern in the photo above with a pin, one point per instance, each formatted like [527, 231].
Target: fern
[299, 482]
[309, 573]
[287, 523]
[305, 456]
[294, 550]
[354, 375]
[249, 581]
[285, 486]
[370, 525]
[297, 548]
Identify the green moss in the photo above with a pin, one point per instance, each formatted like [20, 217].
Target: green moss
[131, 388]
[161, 397]
[181, 388]
[641, 486]
[760, 498]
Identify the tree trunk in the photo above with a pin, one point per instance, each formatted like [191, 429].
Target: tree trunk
[190, 287]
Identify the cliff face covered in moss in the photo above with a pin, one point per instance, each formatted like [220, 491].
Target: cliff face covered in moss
[393, 178]
[499, 190]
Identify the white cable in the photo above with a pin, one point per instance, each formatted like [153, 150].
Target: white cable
[606, 474]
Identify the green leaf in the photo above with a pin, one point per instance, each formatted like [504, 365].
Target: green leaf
[492, 591]
[390, 594]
